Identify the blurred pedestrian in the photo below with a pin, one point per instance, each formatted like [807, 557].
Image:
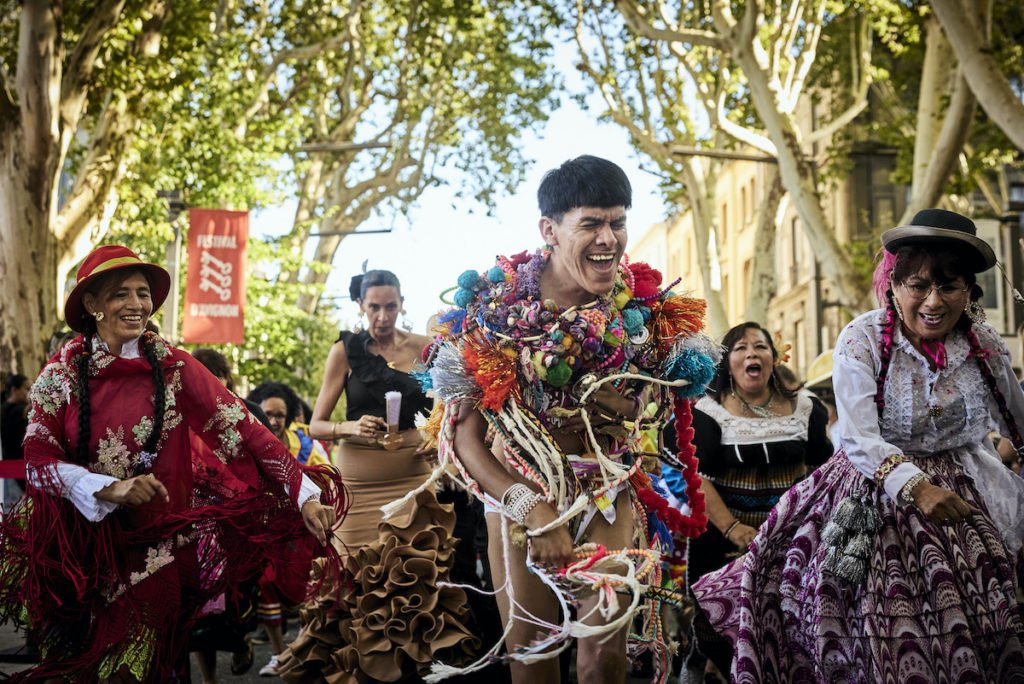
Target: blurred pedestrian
[13, 423]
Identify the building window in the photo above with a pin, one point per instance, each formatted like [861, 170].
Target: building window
[796, 245]
[725, 223]
[744, 207]
[747, 274]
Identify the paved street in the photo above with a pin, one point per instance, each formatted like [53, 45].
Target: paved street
[10, 642]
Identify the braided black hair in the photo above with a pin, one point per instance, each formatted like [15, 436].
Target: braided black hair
[82, 448]
[160, 395]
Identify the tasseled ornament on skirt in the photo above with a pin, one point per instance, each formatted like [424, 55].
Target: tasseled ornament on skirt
[848, 538]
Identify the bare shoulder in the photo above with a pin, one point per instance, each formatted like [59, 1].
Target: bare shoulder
[416, 343]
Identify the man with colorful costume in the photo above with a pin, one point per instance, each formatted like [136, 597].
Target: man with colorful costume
[572, 355]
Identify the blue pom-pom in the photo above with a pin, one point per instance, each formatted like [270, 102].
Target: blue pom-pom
[468, 281]
[697, 367]
[463, 297]
[422, 376]
[632, 321]
[645, 311]
[496, 275]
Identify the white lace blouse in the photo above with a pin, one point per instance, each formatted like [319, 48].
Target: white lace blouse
[927, 411]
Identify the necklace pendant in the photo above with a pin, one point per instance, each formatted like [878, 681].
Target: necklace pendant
[934, 411]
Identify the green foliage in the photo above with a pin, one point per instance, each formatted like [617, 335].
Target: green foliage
[863, 253]
[283, 343]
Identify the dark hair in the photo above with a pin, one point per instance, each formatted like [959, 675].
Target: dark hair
[279, 390]
[789, 379]
[85, 410]
[377, 278]
[216, 363]
[12, 382]
[58, 340]
[306, 409]
[943, 264]
[721, 383]
[585, 181]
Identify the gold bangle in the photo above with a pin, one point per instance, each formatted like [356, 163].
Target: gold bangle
[887, 466]
[334, 430]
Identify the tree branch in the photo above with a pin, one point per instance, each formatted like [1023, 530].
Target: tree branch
[99, 172]
[36, 84]
[798, 74]
[296, 54]
[78, 75]
[862, 62]
[636, 18]
[742, 133]
[983, 73]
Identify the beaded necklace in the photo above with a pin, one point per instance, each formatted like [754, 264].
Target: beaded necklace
[555, 344]
[758, 410]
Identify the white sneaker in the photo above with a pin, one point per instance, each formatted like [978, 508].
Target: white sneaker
[270, 669]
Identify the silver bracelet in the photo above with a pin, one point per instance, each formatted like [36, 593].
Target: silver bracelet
[905, 495]
[518, 500]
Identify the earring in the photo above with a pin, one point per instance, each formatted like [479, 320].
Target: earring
[899, 310]
[99, 316]
[976, 312]
[406, 323]
[361, 322]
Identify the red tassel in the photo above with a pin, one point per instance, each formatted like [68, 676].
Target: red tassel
[694, 524]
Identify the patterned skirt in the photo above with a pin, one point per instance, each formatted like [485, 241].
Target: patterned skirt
[938, 603]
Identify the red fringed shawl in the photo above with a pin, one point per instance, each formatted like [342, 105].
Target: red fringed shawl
[122, 593]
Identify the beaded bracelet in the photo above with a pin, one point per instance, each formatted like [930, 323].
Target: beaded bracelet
[518, 500]
[887, 466]
[905, 495]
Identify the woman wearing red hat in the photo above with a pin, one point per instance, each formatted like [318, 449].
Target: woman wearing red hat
[126, 533]
[895, 561]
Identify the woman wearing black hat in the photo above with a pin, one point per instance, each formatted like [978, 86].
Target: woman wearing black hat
[895, 561]
[127, 531]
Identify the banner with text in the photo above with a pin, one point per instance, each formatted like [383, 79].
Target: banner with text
[215, 288]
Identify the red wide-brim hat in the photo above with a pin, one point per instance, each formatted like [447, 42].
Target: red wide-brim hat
[104, 260]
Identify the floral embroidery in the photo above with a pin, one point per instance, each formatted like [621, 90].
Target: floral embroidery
[156, 558]
[159, 345]
[143, 430]
[52, 389]
[113, 456]
[226, 419]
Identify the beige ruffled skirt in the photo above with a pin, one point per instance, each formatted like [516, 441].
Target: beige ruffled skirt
[390, 620]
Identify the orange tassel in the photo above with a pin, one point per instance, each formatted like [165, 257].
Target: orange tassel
[639, 479]
[432, 428]
[677, 316]
[493, 368]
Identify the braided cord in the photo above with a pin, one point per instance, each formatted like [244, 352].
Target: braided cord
[981, 355]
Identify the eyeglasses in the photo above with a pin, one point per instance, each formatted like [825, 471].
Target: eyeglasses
[922, 290]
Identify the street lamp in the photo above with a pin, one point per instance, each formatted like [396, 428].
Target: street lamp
[175, 206]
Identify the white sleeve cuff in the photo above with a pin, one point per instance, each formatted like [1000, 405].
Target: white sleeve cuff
[307, 490]
[79, 487]
[898, 477]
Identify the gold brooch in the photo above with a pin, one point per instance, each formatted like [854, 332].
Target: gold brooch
[934, 411]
